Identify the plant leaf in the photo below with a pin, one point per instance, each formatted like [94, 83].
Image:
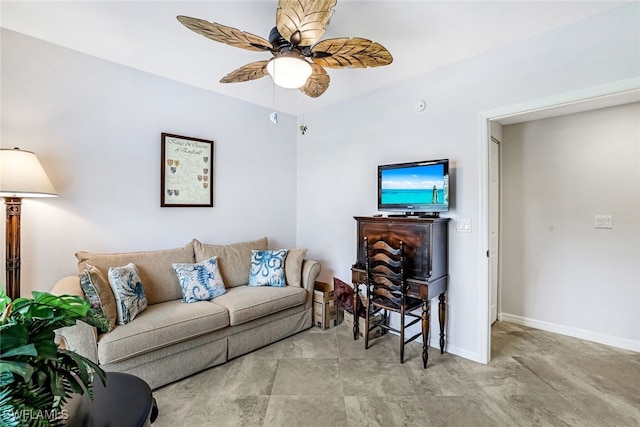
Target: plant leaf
[7, 409]
[96, 319]
[25, 350]
[5, 305]
[24, 369]
[13, 336]
[45, 344]
[71, 305]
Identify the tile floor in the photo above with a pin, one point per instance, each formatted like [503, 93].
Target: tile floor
[325, 378]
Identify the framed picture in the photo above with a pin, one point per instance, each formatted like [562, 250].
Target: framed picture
[186, 172]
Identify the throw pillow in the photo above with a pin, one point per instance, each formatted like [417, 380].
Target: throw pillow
[267, 268]
[128, 291]
[154, 268]
[98, 292]
[201, 281]
[293, 266]
[234, 260]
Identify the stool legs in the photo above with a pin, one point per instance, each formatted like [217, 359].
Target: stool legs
[442, 311]
[425, 332]
[356, 317]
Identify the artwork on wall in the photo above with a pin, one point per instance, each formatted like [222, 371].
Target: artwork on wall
[186, 171]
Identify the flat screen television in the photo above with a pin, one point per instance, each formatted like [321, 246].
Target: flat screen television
[415, 188]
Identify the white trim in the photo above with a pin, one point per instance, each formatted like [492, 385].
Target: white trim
[434, 340]
[621, 87]
[484, 291]
[624, 90]
[582, 334]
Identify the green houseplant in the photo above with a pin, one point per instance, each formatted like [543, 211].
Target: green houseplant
[37, 377]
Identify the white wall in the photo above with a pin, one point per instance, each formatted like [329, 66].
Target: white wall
[96, 126]
[337, 157]
[559, 173]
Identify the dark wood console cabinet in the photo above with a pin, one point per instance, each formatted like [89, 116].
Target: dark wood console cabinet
[426, 254]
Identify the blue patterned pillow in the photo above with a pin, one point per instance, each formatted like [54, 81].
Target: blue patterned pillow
[98, 292]
[267, 268]
[127, 289]
[201, 281]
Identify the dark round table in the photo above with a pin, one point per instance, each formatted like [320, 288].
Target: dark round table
[126, 401]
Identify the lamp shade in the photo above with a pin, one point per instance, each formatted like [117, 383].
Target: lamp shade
[22, 175]
[289, 70]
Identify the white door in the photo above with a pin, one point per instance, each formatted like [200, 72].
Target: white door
[494, 224]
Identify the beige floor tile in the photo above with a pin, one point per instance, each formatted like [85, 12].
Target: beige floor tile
[305, 411]
[326, 378]
[374, 377]
[384, 411]
[308, 377]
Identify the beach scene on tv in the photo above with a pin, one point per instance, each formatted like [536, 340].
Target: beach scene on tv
[425, 185]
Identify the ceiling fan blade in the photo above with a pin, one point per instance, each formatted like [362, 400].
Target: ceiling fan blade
[317, 83]
[227, 35]
[303, 22]
[345, 52]
[251, 71]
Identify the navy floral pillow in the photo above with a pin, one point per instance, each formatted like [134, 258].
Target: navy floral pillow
[267, 268]
[127, 289]
[201, 281]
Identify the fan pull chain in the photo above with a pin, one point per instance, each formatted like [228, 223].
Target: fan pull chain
[273, 116]
[303, 127]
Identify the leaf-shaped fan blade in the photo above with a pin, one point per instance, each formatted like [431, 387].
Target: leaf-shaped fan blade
[345, 52]
[227, 35]
[303, 22]
[317, 82]
[251, 71]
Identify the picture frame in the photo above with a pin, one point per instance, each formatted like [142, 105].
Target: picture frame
[186, 171]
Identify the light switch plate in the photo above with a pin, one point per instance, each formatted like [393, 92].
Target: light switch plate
[463, 226]
[603, 221]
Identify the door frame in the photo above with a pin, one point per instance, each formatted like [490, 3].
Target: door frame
[607, 95]
[495, 215]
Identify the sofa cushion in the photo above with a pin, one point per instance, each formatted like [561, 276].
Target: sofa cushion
[128, 291]
[233, 260]
[161, 325]
[97, 291]
[247, 303]
[200, 281]
[160, 281]
[267, 268]
[293, 266]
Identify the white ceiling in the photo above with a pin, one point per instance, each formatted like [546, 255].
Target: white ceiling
[421, 36]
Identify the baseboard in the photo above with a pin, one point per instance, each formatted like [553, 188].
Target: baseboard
[625, 343]
[434, 341]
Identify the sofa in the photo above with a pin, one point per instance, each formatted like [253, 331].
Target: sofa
[169, 338]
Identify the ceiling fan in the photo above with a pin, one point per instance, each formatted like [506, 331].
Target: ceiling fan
[299, 26]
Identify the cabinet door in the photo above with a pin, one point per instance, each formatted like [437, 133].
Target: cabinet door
[415, 235]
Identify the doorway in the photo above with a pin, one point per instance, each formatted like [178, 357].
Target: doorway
[617, 93]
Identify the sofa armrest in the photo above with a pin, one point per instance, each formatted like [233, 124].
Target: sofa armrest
[310, 272]
[81, 337]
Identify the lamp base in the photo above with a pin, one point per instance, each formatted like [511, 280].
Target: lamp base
[12, 250]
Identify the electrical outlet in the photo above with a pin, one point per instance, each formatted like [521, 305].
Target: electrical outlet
[603, 221]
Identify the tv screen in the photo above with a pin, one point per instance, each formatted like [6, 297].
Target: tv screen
[414, 188]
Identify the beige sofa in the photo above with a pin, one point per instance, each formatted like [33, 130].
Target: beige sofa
[171, 339]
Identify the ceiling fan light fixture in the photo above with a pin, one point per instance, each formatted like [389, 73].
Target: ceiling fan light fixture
[289, 70]
[300, 57]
